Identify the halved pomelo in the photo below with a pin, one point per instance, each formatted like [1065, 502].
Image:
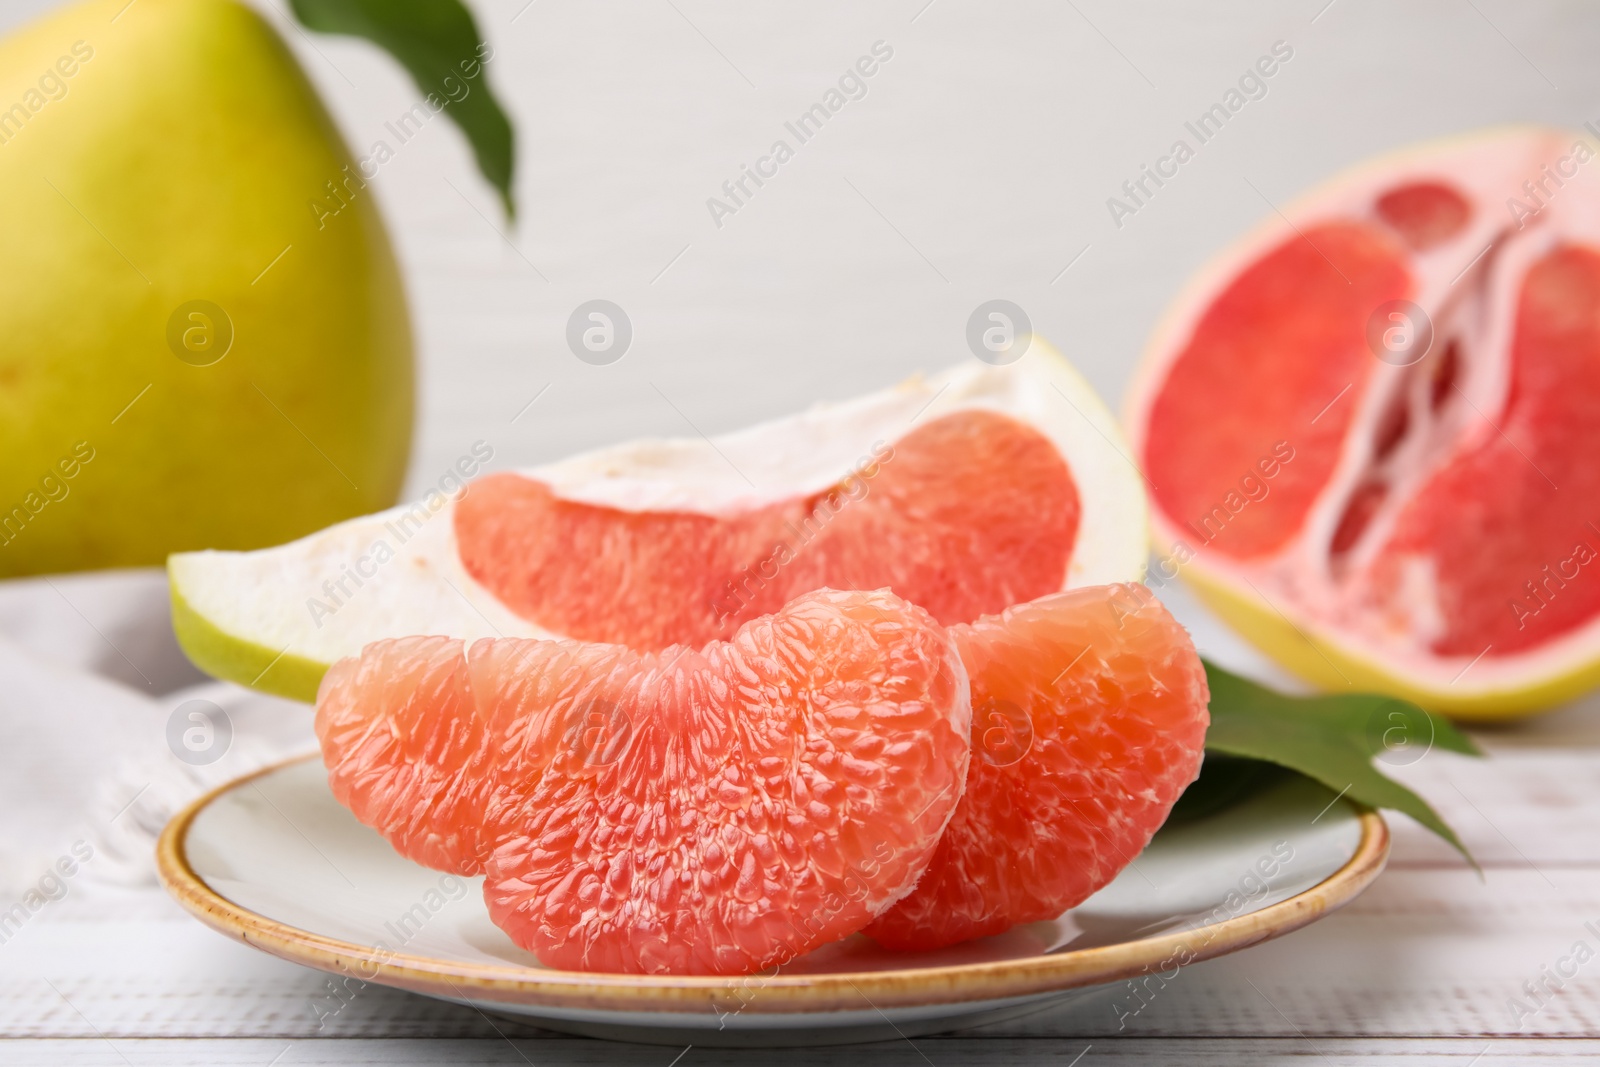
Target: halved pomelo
[965, 493]
[1088, 722]
[1369, 430]
[710, 811]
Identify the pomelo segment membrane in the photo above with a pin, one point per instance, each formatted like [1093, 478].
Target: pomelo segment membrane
[1499, 536]
[1378, 424]
[964, 515]
[1088, 722]
[692, 812]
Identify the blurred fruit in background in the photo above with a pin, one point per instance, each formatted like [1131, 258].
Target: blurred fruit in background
[191, 354]
[1369, 430]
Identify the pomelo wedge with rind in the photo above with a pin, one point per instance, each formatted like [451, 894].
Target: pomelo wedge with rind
[1368, 428]
[275, 619]
[966, 513]
[744, 803]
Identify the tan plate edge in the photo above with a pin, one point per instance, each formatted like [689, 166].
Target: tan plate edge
[781, 994]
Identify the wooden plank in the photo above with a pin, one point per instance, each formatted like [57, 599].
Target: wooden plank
[1531, 803]
[1424, 953]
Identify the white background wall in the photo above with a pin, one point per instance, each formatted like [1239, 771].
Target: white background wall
[990, 142]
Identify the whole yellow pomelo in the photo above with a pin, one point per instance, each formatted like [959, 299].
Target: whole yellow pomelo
[196, 349]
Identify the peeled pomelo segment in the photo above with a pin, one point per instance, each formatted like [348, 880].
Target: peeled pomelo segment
[423, 738]
[407, 751]
[275, 619]
[1088, 722]
[964, 515]
[1429, 534]
[694, 812]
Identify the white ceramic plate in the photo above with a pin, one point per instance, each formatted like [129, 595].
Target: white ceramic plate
[274, 861]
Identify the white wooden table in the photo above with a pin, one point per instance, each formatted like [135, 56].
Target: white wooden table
[1420, 969]
[977, 165]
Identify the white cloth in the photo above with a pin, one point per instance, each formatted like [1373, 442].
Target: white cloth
[90, 676]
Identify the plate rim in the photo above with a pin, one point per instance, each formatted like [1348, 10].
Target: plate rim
[781, 994]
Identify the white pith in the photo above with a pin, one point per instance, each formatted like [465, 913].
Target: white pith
[267, 597]
[1469, 298]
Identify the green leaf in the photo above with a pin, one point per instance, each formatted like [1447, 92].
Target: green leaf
[1333, 740]
[1223, 782]
[438, 43]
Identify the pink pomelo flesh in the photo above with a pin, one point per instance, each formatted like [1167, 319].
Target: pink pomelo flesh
[1089, 715]
[964, 516]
